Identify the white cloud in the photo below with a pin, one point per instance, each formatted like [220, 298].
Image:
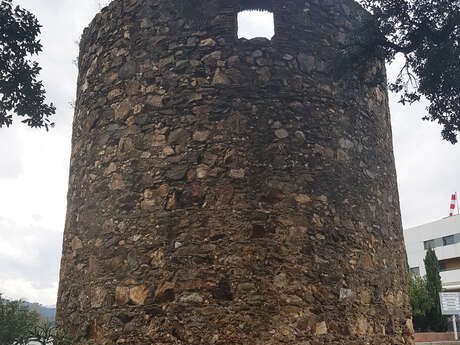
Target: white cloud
[11, 166]
[29, 257]
[427, 166]
[34, 164]
[26, 290]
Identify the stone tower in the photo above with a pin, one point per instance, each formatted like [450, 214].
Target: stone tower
[229, 191]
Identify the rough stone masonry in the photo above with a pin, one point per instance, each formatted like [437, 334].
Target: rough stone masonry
[230, 191]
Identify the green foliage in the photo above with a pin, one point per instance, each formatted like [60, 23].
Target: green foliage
[19, 325]
[433, 278]
[45, 334]
[437, 322]
[420, 300]
[424, 297]
[16, 322]
[20, 90]
[427, 34]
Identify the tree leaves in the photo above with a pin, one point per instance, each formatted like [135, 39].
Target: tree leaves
[437, 322]
[16, 322]
[419, 297]
[21, 92]
[427, 34]
[47, 334]
[20, 325]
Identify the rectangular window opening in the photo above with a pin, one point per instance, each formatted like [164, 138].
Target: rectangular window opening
[449, 264]
[252, 24]
[428, 244]
[446, 240]
[415, 271]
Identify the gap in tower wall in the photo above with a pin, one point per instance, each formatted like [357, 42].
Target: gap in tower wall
[252, 24]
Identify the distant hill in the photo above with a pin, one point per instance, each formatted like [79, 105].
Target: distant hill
[48, 313]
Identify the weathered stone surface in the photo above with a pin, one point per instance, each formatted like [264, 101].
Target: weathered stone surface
[409, 327]
[281, 133]
[122, 295]
[128, 70]
[76, 244]
[158, 140]
[201, 136]
[192, 298]
[122, 109]
[211, 59]
[179, 135]
[138, 294]
[220, 78]
[168, 151]
[113, 94]
[306, 62]
[302, 198]
[230, 191]
[345, 293]
[321, 328]
[110, 169]
[148, 204]
[158, 258]
[209, 42]
[164, 288]
[117, 182]
[237, 173]
[202, 172]
[155, 101]
[177, 172]
[98, 296]
[361, 326]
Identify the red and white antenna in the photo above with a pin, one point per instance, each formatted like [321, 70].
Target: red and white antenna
[453, 202]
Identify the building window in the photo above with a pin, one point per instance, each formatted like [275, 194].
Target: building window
[428, 244]
[449, 264]
[252, 24]
[442, 266]
[446, 240]
[441, 241]
[415, 271]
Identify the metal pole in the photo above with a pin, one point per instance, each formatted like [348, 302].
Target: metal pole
[455, 327]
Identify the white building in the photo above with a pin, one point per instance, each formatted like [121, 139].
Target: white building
[444, 237]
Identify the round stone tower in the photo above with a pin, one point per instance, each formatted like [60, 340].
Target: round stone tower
[230, 191]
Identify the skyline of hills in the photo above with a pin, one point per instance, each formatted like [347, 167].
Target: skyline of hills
[48, 313]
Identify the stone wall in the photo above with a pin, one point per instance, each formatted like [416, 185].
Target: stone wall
[227, 191]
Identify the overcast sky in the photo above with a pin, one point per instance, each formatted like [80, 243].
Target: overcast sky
[34, 164]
